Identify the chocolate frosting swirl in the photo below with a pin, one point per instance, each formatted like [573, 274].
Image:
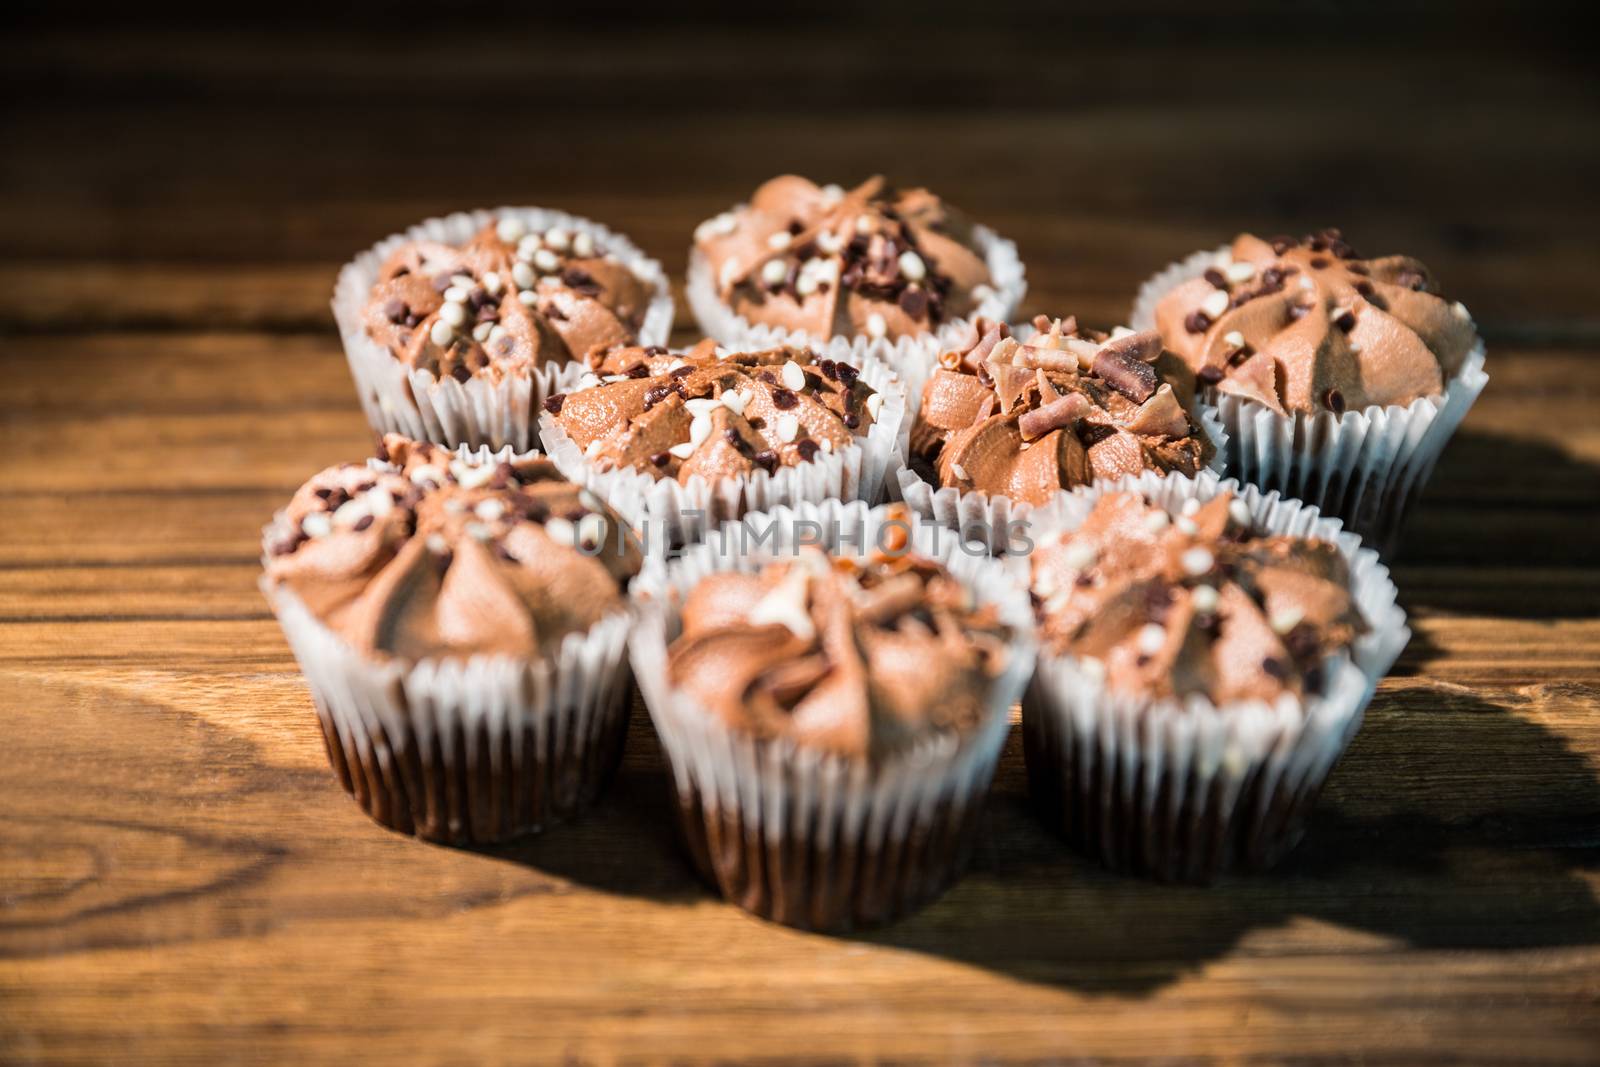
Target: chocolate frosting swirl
[872, 260]
[424, 555]
[1065, 407]
[1198, 604]
[857, 658]
[504, 303]
[1308, 325]
[674, 416]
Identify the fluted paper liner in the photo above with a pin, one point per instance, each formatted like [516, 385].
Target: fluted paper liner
[811, 840]
[478, 412]
[1185, 790]
[466, 751]
[1366, 467]
[670, 514]
[1008, 280]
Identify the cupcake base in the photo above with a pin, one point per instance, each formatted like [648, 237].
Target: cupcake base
[1183, 791]
[826, 879]
[472, 751]
[803, 838]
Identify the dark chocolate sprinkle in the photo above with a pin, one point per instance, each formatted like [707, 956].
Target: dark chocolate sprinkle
[1197, 322]
[362, 523]
[1346, 321]
[660, 459]
[1209, 375]
[767, 459]
[395, 309]
[553, 402]
[784, 399]
[1275, 667]
[461, 373]
[1334, 400]
[1217, 279]
[807, 448]
[847, 374]
[680, 372]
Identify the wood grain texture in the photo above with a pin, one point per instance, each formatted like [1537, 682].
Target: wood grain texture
[181, 881]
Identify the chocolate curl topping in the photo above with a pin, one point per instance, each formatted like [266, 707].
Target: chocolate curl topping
[980, 351]
[1122, 369]
[1144, 346]
[1053, 416]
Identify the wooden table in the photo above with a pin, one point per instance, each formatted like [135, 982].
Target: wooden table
[182, 881]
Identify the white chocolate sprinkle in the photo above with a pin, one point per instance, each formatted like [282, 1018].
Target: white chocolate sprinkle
[529, 245]
[728, 274]
[588, 380]
[592, 529]
[1151, 638]
[490, 510]
[788, 427]
[478, 531]
[793, 376]
[780, 240]
[1233, 339]
[1190, 506]
[437, 544]
[510, 230]
[471, 475]
[316, 524]
[960, 472]
[350, 511]
[493, 283]
[1239, 272]
[1239, 511]
[912, 267]
[1306, 282]
[1186, 526]
[523, 275]
[1117, 332]
[1215, 304]
[863, 224]
[427, 474]
[528, 297]
[1460, 311]
[1287, 619]
[699, 429]
[830, 243]
[496, 332]
[1157, 521]
[774, 271]
[546, 260]
[831, 194]
[1076, 555]
[557, 238]
[560, 530]
[582, 245]
[441, 333]
[874, 405]
[876, 327]
[683, 451]
[379, 502]
[456, 294]
[827, 444]
[454, 314]
[1197, 561]
[701, 405]
[1204, 598]
[735, 402]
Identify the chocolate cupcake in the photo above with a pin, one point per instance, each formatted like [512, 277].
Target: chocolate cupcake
[870, 269]
[832, 719]
[1339, 378]
[677, 441]
[461, 619]
[456, 329]
[1005, 423]
[1206, 655]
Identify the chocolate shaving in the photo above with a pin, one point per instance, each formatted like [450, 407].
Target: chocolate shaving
[1125, 372]
[1052, 416]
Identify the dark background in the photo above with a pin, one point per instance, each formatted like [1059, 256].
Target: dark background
[1106, 139]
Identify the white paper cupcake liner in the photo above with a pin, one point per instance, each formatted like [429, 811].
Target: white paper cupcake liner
[400, 399]
[1366, 467]
[996, 520]
[1185, 790]
[466, 751]
[1008, 281]
[669, 514]
[811, 840]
